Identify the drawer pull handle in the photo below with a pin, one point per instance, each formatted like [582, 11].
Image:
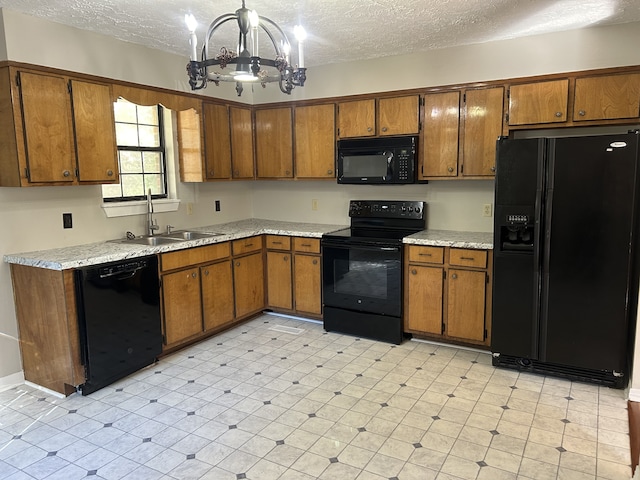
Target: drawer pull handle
[425, 254]
[248, 245]
[277, 243]
[305, 244]
[454, 276]
[414, 272]
[467, 258]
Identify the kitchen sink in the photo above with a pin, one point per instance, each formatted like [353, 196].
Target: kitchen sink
[188, 235]
[152, 241]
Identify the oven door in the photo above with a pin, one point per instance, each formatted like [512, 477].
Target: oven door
[362, 277]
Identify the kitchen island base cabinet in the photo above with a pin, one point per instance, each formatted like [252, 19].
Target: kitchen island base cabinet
[448, 294]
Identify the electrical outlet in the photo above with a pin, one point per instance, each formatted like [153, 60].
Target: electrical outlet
[217, 205]
[67, 220]
[314, 204]
[189, 208]
[487, 210]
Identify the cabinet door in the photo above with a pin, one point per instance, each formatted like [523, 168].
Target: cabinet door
[398, 115]
[279, 291]
[482, 127]
[274, 143]
[315, 141]
[48, 130]
[217, 141]
[607, 98]
[217, 294]
[540, 102]
[182, 305]
[440, 134]
[95, 132]
[241, 142]
[466, 304]
[357, 118]
[190, 150]
[308, 284]
[248, 283]
[425, 299]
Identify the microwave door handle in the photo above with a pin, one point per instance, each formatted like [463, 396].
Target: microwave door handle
[389, 165]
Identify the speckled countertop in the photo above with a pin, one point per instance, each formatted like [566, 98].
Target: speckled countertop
[448, 238]
[111, 251]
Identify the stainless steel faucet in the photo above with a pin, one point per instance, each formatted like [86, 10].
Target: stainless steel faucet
[151, 223]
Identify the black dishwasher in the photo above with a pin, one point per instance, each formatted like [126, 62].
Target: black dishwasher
[119, 319]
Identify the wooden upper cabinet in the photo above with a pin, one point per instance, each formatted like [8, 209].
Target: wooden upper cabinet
[241, 143]
[274, 143]
[482, 127]
[93, 112]
[607, 97]
[190, 151]
[217, 141]
[48, 128]
[539, 102]
[315, 141]
[357, 118]
[440, 135]
[398, 115]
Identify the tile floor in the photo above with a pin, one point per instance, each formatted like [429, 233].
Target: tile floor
[266, 401]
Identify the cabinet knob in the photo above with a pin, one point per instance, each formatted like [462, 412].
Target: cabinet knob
[206, 272]
[109, 173]
[211, 173]
[329, 172]
[384, 129]
[454, 276]
[369, 129]
[237, 264]
[582, 113]
[493, 169]
[194, 275]
[315, 262]
[558, 114]
[450, 169]
[285, 258]
[414, 271]
[287, 172]
[236, 172]
[66, 173]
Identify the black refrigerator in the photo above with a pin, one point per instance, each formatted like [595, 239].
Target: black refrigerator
[565, 279]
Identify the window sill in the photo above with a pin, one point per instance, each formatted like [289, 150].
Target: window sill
[124, 209]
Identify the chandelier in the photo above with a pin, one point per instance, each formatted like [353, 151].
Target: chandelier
[246, 65]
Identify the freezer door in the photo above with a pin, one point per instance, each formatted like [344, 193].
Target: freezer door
[587, 263]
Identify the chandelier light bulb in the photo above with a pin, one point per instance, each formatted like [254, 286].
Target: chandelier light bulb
[191, 22]
[301, 35]
[254, 19]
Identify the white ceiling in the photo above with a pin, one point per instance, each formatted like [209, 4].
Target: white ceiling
[339, 30]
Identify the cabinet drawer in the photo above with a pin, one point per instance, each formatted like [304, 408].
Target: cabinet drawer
[278, 242]
[426, 254]
[193, 256]
[468, 258]
[303, 244]
[247, 245]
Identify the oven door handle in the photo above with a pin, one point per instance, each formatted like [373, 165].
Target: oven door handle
[362, 246]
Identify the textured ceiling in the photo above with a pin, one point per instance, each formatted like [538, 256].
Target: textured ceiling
[339, 30]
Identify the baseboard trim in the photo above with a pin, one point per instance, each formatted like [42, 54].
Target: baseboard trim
[11, 381]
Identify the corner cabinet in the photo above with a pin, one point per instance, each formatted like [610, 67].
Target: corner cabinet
[448, 294]
[607, 97]
[48, 130]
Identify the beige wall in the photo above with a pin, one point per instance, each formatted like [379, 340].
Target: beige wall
[31, 217]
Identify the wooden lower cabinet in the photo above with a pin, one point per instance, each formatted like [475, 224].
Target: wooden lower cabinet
[216, 280]
[448, 293]
[182, 305]
[279, 280]
[248, 284]
[308, 284]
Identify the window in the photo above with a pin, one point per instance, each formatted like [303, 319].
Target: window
[141, 153]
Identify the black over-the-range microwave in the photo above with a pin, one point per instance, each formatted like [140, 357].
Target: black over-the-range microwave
[380, 160]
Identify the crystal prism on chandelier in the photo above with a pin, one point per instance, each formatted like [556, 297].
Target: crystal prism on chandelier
[244, 64]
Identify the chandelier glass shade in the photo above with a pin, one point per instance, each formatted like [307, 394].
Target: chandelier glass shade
[244, 64]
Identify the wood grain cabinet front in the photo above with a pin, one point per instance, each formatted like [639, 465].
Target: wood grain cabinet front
[274, 143]
[248, 284]
[607, 97]
[538, 102]
[315, 141]
[448, 293]
[383, 116]
[48, 130]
